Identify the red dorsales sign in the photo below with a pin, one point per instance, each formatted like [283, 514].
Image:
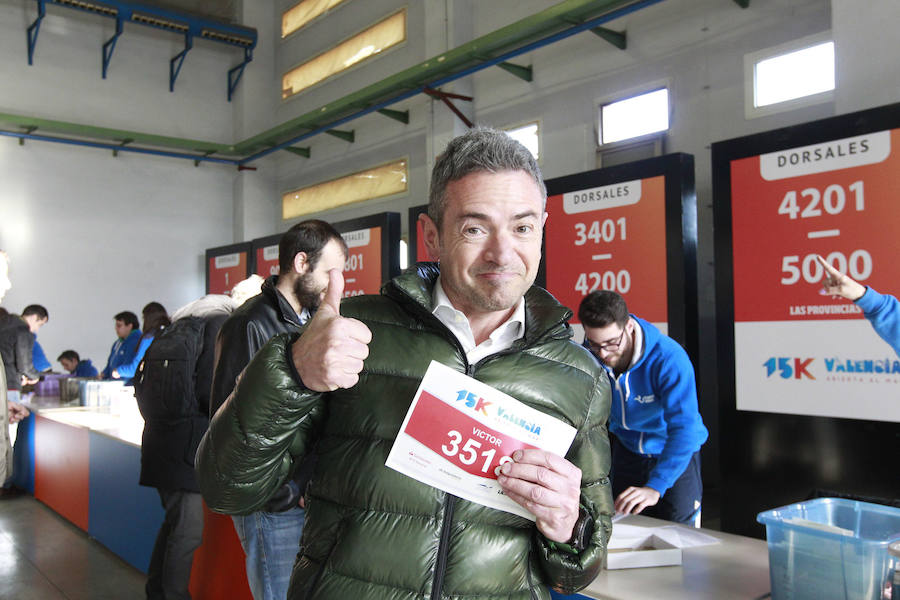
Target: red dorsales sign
[611, 237]
[422, 254]
[798, 350]
[267, 260]
[225, 271]
[838, 199]
[363, 269]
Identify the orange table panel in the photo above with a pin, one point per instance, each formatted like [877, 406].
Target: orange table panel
[219, 570]
[62, 469]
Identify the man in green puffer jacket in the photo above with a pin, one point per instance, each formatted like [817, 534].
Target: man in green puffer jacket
[345, 385]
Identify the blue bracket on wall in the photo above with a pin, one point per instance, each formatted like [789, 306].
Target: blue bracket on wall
[239, 70]
[185, 24]
[110, 45]
[33, 30]
[179, 58]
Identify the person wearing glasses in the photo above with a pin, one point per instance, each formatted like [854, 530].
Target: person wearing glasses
[882, 310]
[654, 421]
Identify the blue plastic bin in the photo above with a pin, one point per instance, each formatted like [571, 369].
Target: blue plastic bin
[829, 548]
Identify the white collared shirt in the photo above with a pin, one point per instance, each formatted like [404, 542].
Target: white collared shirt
[500, 339]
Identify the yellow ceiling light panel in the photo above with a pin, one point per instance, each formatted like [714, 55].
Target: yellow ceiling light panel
[377, 182]
[303, 12]
[377, 38]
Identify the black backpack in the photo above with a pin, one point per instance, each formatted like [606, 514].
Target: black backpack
[165, 382]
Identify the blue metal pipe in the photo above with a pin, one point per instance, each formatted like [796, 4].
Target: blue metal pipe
[464, 73]
[119, 148]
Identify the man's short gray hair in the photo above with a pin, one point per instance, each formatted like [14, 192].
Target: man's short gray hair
[479, 149]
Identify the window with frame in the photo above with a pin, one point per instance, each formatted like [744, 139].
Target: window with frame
[794, 75]
[377, 182]
[634, 117]
[303, 12]
[528, 135]
[366, 44]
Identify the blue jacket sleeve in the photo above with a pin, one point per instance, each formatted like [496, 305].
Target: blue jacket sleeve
[883, 311]
[685, 431]
[110, 361]
[127, 369]
[39, 359]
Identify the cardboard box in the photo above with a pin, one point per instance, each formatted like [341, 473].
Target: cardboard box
[652, 551]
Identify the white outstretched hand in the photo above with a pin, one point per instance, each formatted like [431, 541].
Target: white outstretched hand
[330, 353]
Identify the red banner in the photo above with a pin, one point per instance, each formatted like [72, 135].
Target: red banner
[363, 269]
[225, 271]
[612, 237]
[786, 209]
[267, 261]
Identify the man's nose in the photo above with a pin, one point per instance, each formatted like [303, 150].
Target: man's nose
[499, 248]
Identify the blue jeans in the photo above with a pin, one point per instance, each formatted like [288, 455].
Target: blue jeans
[271, 542]
[681, 502]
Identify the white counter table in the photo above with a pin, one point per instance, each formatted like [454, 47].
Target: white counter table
[737, 568]
[87, 463]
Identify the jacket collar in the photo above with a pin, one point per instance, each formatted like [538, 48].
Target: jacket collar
[278, 299]
[544, 316]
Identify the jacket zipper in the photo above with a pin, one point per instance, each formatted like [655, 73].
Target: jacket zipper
[440, 566]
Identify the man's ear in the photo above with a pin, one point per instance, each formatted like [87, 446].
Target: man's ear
[430, 237]
[301, 265]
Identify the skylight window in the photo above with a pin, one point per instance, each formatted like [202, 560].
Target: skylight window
[527, 135]
[634, 117]
[302, 13]
[377, 182]
[375, 39]
[796, 74]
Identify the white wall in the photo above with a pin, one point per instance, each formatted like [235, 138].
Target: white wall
[88, 234]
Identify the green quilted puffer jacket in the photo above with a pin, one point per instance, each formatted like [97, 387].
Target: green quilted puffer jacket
[372, 532]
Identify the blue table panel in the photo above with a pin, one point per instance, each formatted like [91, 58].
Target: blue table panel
[557, 596]
[23, 455]
[123, 515]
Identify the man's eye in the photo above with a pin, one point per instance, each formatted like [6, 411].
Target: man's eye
[472, 230]
[524, 229]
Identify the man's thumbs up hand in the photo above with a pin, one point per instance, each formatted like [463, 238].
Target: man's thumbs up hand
[330, 353]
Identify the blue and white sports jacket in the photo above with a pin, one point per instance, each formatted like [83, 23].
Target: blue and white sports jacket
[654, 407]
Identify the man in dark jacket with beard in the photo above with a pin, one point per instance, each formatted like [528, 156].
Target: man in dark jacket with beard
[306, 253]
[345, 385]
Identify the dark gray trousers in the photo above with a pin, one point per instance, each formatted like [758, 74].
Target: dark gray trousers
[173, 553]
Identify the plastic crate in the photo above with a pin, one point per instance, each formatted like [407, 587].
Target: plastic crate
[830, 548]
[49, 384]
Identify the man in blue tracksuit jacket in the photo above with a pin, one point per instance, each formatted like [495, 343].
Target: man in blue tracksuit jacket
[657, 429]
[882, 310]
[123, 349]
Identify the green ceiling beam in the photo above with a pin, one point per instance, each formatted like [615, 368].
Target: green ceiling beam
[304, 152]
[616, 38]
[524, 73]
[742, 3]
[347, 136]
[516, 35]
[397, 115]
[31, 124]
[537, 26]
